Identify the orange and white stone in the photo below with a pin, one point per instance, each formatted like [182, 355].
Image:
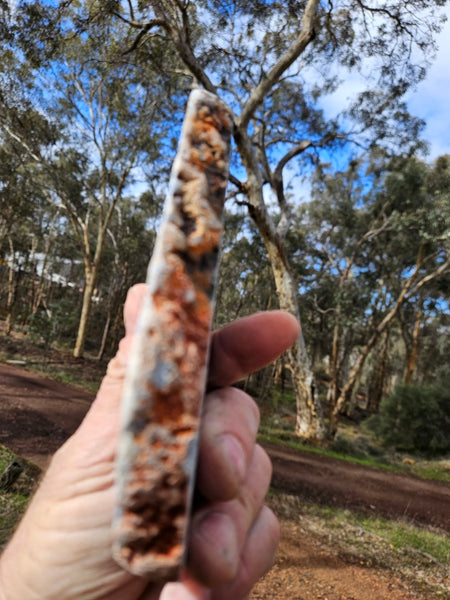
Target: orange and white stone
[165, 384]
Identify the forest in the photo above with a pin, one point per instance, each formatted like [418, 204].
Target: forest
[336, 216]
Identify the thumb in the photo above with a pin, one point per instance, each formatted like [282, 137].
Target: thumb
[186, 590]
[110, 392]
[117, 365]
[132, 305]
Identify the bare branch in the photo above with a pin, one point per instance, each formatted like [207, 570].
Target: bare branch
[180, 37]
[385, 11]
[131, 9]
[297, 48]
[29, 150]
[144, 25]
[322, 311]
[237, 182]
[295, 151]
[144, 29]
[440, 271]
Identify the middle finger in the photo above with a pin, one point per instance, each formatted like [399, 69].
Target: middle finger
[219, 531]
[227, 439]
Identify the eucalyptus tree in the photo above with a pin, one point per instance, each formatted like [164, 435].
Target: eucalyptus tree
[107, 135]
[338, 230]
[106, 120]
[280, 66]
[26, 219]
[430, 304]
[386, 249]
[131, 234]
[274, 63]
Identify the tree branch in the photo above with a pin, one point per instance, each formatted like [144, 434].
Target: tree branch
[144, 29]
[297, 48]
[181, 39]
[293, 152]
[29, 150]
[442, 269]
[237, 182]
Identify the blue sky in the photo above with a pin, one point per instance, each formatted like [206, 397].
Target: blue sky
[431, 99]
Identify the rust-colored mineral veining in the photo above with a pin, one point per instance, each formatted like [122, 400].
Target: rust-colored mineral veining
[165, 384]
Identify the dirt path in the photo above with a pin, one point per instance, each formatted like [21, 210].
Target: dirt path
[335, 482]
[37, 414]
[306, 569]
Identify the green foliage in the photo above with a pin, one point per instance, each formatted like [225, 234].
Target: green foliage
[90, 111]
[415, 418]
[58, 324]
[358, 446]
[12, 508]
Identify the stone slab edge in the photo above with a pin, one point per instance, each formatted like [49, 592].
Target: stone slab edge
[166, 378]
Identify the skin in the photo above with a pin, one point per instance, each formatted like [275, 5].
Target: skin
[61, 549]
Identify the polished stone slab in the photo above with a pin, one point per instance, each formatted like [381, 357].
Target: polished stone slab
[165, 383]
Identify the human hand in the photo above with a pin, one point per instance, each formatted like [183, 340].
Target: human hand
[62, 548]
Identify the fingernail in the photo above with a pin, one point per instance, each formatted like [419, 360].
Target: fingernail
[215, 542]
[180, 591]
[236, 454]
[218, 530]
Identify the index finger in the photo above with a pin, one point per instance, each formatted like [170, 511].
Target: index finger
[248, 344]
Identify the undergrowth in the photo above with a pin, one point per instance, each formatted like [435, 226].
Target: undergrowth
[14, 501]
[354, 445]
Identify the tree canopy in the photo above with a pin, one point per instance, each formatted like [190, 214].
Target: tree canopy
[92, 96]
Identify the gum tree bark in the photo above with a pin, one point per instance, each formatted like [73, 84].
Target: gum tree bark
[413, 351]
[309, 419]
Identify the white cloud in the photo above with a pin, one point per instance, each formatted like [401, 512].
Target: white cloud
[430, 100]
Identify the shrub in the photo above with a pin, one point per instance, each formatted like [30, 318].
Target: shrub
[415, 418]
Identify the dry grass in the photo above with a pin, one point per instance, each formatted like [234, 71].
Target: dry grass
[416, 555]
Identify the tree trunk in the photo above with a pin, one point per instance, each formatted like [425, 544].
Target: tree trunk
[347, 389]
[39, 289]
[377, 390]
[309, 425]
[91, 268]
[354, 399]
[414, 352]
[11, 280]
[333, 388]
[91, 277]
[379, 330]
[102, 349]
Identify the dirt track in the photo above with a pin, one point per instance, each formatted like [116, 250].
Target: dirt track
[376, 491]
[37, 414]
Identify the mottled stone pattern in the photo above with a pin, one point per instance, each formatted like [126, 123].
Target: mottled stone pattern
[166, 380]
